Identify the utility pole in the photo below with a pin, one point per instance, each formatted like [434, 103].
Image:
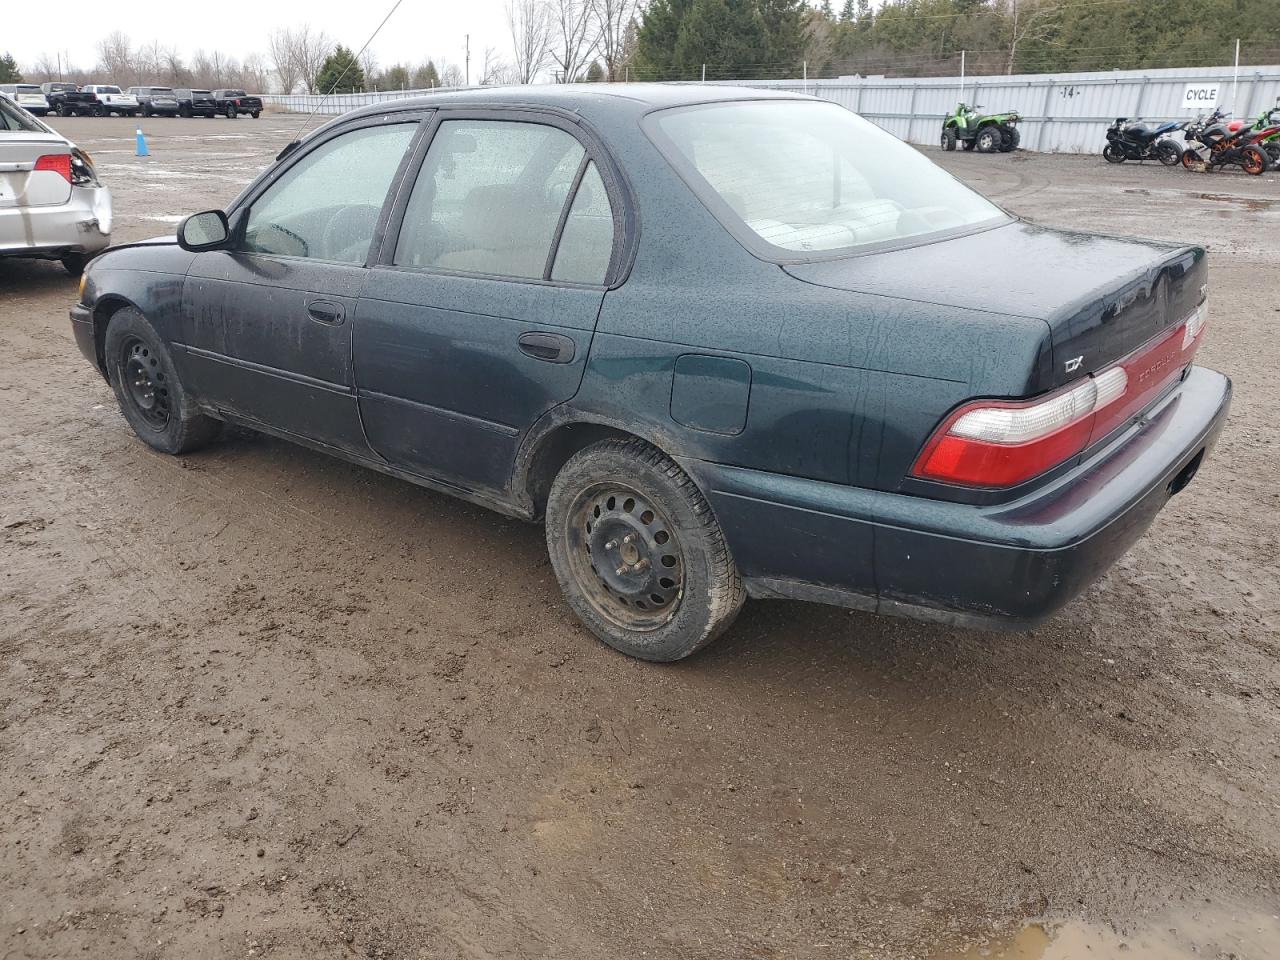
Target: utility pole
[1235, 79]
[468, 61]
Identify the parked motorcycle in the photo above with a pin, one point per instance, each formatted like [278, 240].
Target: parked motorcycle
[1211, 144]
[1268, 125]
[1136, 140]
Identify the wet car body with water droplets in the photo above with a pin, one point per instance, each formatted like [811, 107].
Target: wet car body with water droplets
[753, 372]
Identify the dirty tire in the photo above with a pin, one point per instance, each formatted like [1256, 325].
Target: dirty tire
[1255, 160]
[625, 486]
[948, 139]
[1113, 154]
[989, 139]
[148, 390]
[1009, 139]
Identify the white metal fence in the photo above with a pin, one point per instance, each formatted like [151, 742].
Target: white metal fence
[1065, 113]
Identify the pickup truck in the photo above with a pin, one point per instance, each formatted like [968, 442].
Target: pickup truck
[66, 100]
[232, 103]
[109, 99]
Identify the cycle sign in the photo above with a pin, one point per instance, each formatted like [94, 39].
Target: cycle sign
[1200, 96]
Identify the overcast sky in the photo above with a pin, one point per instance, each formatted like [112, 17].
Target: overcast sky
[420, 29]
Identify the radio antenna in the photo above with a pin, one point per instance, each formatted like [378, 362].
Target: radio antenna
[292, 145]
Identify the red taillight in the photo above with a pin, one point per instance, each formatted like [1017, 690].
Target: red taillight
[1001, 443]
[59, 163]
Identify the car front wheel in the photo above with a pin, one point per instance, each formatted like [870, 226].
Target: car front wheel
[148, 390]
[638, 552]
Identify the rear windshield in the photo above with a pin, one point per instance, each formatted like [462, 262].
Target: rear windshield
[201, 93]
[63, 86]
[234, 93]
[797, 179]
[161, 91]
[107, 89]
[26, 88]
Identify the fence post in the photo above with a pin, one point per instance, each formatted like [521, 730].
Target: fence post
[1142, 90]
[1044, 114]
[911, 112]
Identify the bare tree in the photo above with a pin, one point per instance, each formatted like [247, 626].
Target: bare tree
[451, 75]
[530, 24]
[253, 74]
[313, 47]
[1027, 20]
[369, 65]
[282, 49]
[45, 69]
[574, 36]
[613, 22]
[116, 57]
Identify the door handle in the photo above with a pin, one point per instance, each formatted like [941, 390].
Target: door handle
[325, 311]
[551, 347]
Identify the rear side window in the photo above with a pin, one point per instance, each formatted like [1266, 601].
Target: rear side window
[489, 198]
[13, 117]
[586, 244]
[327, 204]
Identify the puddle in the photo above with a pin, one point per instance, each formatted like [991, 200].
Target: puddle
[1249, 203]
[1252, 204]
[1208, 936]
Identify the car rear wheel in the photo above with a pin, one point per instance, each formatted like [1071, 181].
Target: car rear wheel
[255, 114]
[638, 553]
[148, 390]
[231, 112]
[74, 263]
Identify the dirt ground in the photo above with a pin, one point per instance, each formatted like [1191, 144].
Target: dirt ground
[259, 702]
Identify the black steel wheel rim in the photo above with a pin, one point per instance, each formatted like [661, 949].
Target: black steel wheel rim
[144, 384]
[626, 556]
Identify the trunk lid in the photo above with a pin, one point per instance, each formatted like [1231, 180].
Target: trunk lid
[21, 185]
[1100, 298]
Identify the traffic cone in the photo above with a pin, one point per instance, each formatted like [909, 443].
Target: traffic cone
[142, 145]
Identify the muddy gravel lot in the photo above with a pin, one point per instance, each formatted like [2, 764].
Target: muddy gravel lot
[258, 702]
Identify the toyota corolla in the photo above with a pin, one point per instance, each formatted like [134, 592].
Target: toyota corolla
[722, 342]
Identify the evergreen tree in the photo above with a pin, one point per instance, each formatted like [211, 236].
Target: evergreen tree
[340, 73]
[9, 72]
[826, 10]
[595, 72]
[426, 77]
[846, 12]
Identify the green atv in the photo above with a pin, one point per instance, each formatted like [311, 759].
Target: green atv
[987, 133]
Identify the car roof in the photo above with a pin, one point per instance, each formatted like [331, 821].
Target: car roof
[584, 98]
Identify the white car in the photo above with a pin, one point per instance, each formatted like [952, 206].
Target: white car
[52, 206]
[110, 99]
[28, 96]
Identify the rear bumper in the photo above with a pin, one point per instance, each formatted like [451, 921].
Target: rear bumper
[1007, 565]
[81, 225]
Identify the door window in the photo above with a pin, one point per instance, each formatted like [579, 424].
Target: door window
[586, 244]
[489, 198]
[326, 206]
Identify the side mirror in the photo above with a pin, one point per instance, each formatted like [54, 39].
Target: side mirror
[204, 231]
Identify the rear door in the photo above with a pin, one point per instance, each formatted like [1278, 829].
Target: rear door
[267, 324]
[35, 165]
[479, 315]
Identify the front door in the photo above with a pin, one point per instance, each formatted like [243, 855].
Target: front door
[267, 324]
[479, 316]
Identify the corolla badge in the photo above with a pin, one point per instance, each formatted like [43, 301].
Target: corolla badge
[1074, 364]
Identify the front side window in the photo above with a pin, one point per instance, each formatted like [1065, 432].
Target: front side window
[489, 198]
[811, 178]
[326, 205]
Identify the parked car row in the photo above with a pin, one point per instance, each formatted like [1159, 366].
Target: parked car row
[105, 99]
